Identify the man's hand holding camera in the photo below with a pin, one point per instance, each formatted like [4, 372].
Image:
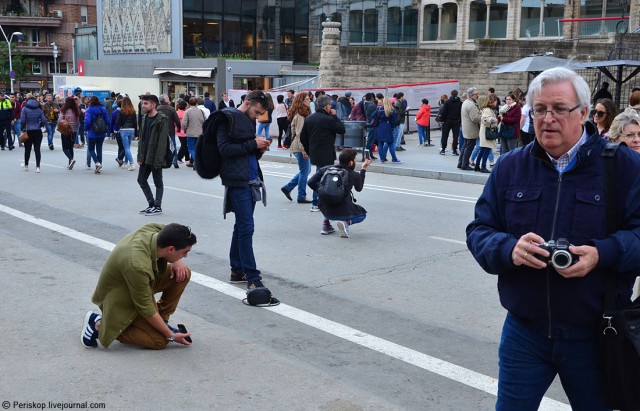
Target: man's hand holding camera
[532, 250]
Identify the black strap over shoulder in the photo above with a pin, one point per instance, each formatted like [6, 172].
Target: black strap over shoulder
[608, 159]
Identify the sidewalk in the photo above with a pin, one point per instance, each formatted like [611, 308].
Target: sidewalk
[417, 161]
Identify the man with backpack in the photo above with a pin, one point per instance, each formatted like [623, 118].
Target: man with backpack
[152, 147]
[333, 185]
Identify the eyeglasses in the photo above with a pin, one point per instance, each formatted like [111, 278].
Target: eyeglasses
[631, 136]
[557, 112]
[600, 113]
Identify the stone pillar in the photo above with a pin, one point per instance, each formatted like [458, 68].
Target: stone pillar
[634, 12]
[514, 15]
[383, 14]
[344, 16]
[462, 25]
[486, 28]
[439, 22]
[329, 54]
[541, 29]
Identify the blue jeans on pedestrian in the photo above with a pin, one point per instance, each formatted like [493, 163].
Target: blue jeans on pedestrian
[529, 361]
[476, 151]
[397, 135]
[314, 201]
[460, 140]
[383, 147]
[265, 127]
[126, 135]
[80, 135]
[51, 128]
[352, 218]
[191, 145]
[422, 134]
[95, 149]
[241, 255]
[371, 136]
[16, 128]
[300, 179]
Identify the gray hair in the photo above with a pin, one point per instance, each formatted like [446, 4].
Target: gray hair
[471, 91]
[559, 75]
[621, 121]
[324, 101]
[163, 99]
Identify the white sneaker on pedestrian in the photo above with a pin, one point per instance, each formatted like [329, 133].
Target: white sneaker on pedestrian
[71, 164]
[98, 168]
[131, 167]
[314, 209]
[37, 169]
[124, 166]
[343, 227]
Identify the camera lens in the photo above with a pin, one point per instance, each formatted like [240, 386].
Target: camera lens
[561, 259]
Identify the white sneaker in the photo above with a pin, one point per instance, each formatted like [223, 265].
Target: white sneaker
[343, 228]
[124, 166]
[37, 169]
[314, 209]
[98, 168]
[71, 164]
[131, 167]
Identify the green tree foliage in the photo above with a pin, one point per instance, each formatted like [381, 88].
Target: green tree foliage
[21, 64]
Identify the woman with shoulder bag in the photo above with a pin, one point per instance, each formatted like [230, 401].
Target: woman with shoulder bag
[510, 115]
[299, 111]
[68, 127]
[32, 120]
[488, 122]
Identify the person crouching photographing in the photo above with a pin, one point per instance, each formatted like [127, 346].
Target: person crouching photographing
[333, 185]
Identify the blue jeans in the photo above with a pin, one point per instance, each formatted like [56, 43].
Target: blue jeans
[191, 145]
[95, 149]
[371, 136]
[51, 128]
[352, 219]
[314, 200]
[241, 255]
[460, 140]
[476, 151]
[483, 156]
[383, 147]
[265, 127]
[126, 135]
[397, 135]
[80, 134]
[300, 179]
[529, 362]
[16, 128]
[422, 134]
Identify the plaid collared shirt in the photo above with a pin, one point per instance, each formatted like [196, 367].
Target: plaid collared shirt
[567, 158]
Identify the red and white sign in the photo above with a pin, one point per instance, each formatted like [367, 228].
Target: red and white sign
[81, 67]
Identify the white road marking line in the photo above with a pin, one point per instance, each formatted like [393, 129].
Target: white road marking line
[432, 364]
[193, 192]
[448, 240]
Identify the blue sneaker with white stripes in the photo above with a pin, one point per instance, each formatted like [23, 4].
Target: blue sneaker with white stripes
[89, 334]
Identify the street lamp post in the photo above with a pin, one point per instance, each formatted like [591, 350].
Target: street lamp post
[8, 40]
[55, 57]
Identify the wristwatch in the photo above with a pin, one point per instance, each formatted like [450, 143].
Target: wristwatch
[172, 338]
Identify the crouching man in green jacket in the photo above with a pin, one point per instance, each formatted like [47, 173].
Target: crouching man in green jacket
[143, 263]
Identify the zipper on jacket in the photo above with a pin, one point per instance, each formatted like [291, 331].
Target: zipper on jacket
[553, 231]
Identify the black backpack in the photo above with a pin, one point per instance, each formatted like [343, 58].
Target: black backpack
[208, 159]
[332, 188]
[99, 126]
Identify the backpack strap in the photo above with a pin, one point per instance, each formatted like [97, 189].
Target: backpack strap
[608, 160]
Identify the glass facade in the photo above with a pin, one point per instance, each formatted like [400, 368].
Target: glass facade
[497, 19]
[402, 22]
[247, 29]
[530, 18]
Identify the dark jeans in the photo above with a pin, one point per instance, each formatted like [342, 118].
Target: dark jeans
[35, 140]
[5, 128]
[530, 361]
[446, 127]
[482, 157]
[120, 147]
[283, 123]
[184, 151]
[465, 152]
[95, 149]
[143, 175]
[67, 145]
[241, 255]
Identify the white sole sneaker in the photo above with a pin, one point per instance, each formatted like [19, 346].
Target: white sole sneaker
[71, 164]
[343, 228]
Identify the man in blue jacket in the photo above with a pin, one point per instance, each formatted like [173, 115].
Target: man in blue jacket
[554, 188]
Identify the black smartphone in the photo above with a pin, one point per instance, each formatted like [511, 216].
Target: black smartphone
[183, 330]
[367, 154]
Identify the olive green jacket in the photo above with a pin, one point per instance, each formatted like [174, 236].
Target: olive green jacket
[152, 145]
[125, 286]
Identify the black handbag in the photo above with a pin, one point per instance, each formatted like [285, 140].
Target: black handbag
[507, 131]
[375, 120]
[491, 133]
[286, 142]
[619, 337]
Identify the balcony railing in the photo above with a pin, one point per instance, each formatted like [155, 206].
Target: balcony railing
[36, 49]
[596, 27]
[24, 20]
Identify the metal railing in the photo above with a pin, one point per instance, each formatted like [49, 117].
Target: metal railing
[597, 26]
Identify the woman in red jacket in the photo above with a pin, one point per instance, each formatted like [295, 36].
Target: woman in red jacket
[510, 114]
[422, 118]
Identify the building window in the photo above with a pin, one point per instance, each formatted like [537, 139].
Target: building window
[363, 26]
[430, 23]
[84, 14]
[530, 18]
[497, 19]
[36, 68]
[597, 9]
[449, 24]
[402, 22]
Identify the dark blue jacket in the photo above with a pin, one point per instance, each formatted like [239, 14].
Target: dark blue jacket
[32, 117]
[89, 117]
[525, 193]
[237, 142]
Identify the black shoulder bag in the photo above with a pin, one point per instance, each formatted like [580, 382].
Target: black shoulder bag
[619, 338]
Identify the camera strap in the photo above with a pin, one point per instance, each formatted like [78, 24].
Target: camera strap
[608, 160]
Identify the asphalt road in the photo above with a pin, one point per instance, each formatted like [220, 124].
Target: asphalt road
[397, 317]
